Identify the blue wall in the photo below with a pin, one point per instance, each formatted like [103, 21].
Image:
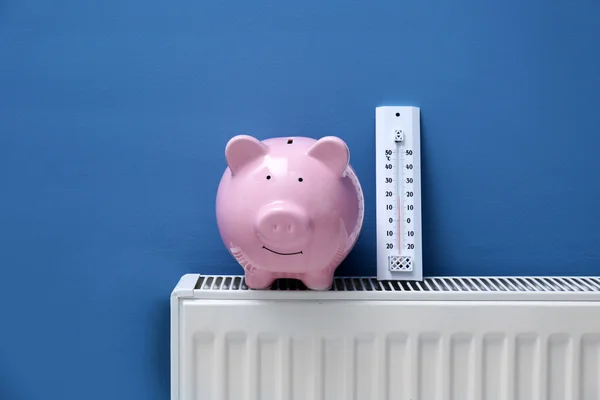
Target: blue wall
[114, 116]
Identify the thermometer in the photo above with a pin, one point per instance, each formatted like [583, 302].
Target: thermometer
[398, 193]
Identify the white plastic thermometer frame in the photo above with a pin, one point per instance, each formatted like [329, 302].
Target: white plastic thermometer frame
[398, 196]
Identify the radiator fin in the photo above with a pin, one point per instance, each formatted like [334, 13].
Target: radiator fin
[494, 366]
[301, 359]
[436, 284]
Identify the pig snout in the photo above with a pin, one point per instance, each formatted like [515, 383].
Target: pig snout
[283, 224]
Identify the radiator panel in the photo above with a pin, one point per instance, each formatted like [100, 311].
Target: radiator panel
[375, 349]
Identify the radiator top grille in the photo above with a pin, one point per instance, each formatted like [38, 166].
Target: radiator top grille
[435, 284]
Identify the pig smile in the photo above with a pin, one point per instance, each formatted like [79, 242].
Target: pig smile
[281, 254]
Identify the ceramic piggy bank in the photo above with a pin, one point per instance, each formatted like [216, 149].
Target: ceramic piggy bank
[289, 207]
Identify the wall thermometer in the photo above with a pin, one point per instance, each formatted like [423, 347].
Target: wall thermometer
[398, 197]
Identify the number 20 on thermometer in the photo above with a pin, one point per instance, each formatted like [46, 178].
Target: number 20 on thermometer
[398, 196]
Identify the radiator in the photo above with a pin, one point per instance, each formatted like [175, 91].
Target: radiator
[501, 338]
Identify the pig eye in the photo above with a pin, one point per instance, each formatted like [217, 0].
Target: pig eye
[300, 179]
[268, 176]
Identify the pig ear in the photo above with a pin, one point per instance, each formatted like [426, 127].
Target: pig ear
[331, 151]
[242, 150]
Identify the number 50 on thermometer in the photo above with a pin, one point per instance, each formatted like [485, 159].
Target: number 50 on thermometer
[398, 197]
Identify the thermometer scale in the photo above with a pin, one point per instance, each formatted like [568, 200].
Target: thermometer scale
[398, 196]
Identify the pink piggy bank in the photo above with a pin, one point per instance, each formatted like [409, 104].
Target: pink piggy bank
[289, 208]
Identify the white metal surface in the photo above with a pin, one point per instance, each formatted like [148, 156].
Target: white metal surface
[528, 338]
[398, 193]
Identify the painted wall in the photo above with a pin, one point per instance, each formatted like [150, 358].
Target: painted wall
[114, 116]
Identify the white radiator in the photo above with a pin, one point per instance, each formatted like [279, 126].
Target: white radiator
[443, 338]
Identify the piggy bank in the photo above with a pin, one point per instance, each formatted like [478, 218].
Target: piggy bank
[289, 207]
